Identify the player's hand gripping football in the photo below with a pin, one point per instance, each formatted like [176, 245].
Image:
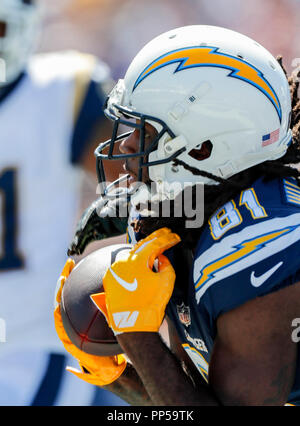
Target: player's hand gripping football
[95, 370]
[135, 296]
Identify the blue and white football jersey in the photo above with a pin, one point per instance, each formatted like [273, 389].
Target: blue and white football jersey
[249, 248]
[45, 125]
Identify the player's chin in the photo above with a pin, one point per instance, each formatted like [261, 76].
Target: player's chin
[132, 170]
[132, 177]
[134, 181]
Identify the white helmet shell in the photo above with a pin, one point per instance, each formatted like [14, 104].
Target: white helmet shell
[210, 84]
[21, 29]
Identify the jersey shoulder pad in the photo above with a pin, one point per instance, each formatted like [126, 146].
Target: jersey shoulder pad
[66, 65]
[291, 192]
[249, 249]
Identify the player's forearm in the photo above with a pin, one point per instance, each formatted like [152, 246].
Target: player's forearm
[161, 373]
[130, 388]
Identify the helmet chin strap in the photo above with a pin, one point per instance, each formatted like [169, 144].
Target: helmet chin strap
[145, 201]
[167, 146]
[157, 191]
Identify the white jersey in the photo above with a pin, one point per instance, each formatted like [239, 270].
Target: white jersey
[39, 191]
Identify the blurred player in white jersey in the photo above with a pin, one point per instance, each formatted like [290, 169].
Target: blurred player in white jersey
[50, 107]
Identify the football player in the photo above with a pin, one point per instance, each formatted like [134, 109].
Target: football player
[208, 106]
[50, 112]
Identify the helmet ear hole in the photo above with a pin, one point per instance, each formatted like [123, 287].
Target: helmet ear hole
[203, 152]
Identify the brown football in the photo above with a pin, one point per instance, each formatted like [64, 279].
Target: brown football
[85, 325]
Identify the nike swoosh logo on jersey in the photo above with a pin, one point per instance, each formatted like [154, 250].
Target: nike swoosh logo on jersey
[258, 281]
[128, 286]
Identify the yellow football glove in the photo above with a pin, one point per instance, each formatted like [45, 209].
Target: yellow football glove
[135, 296]
[96, 370]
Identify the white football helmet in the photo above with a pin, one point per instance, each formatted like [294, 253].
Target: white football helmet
[202, 85]
[19, 29]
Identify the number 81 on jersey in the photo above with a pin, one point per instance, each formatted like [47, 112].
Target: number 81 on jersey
[229, 216]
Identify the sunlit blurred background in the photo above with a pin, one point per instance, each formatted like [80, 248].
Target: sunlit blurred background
[116, 29]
